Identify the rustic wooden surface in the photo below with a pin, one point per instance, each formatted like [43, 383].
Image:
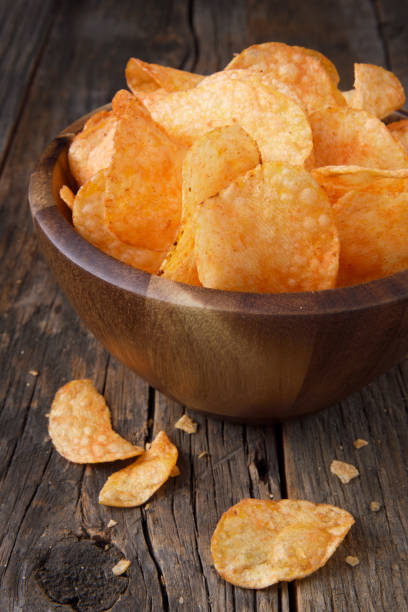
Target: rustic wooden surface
[58, 61]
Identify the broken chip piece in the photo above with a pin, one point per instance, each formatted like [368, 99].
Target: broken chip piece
[344, 471]
[120, 567]
[351, 560]
[186, 424]
[375, 506]
[260, 542]
[136, 483]
[376, 90]
[359, 443]
[80, 426]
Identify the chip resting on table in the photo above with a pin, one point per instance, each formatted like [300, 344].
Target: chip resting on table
[260, 542]
[80, 426]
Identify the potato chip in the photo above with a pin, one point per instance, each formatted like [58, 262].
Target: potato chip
[376, 90]
[137, 482]
[272, 230]
[143, 183]
[260, 542]
[88, 217]
[186, 424]
[373, 229]
[276, 123]
[344, 471]
[91, 150]
[214, 161]
[67, 196]
[346, 136]
[120, 102]
[338, 180]
[144, 77]
[312, 76]
[80, 426]
[399, 130]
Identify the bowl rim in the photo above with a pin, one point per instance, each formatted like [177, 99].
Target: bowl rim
[61, 233]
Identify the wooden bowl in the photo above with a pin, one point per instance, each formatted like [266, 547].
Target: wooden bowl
[243, 356]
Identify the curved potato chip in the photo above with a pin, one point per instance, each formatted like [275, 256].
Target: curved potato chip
[120, 102]
[144, 77]
[399, 130]
[88, 217]
[133, 485]
[338, 180]
[91, 150]
[271, 231]
[214, 160]
[260, 542]
[276, 123]
[376, 90]
[373, 229]
[80, 426]
[67, 195]
[346, 136]
[143, 183]
[313, 77]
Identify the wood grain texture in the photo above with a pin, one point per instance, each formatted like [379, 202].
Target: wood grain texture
[44, 499]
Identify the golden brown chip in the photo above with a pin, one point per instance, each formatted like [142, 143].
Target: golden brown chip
[120, 102]
[344, 471]
[80, 426]
[137, 482]
[277, 124]
[399, 130]
[88, 217]
[373, 229]
[260, 542]
[353, 561]
[338, 180]
[375, 506]
[214, 161]
[91, 150]
[311, 75]
[144, 77]
[272, 230]
[376, 90]
[359, 443]
[67, 196]
[143, 183]
[346, 136]
[186, 424]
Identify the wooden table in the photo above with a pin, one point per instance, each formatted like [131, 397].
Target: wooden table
[60, 60]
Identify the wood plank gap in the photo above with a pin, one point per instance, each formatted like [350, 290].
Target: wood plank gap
[150, 412]
[381, 32]
[13, 130]
[146, 534]
[196, 44]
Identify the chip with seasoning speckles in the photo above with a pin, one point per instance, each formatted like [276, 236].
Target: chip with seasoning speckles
[91, 150]
[347, 136]
[376, 90]
[136, 483]
[399, 130]
[88, 217]
[80, 426]
[261, 542]
[271, 231]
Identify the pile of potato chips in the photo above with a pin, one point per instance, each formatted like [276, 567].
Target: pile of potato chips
[263, 177]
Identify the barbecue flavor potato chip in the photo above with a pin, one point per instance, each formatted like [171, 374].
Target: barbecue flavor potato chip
[376, 90]
[91, 149]
[272, 230]
[373, 230]
[399, 130]
[346, 136]
[80, 426]
[213, 161]
[67, 195]
[260, 542]
[143, 182]
[278, 125]
[136, 483]
[88, 217]
[142, 77]
[311, 75]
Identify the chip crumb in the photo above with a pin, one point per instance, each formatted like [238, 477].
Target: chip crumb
[203, 454]
[175, 471]
[162, 579]
[33, 372]
[181, 600]
[147, 506]
[148, 445]
[106, 547]
[359, 443]
[121, 567]
[344, 471]
[271, 495]
[111, 523]
[186, 424]
[353, 561]
[375, 506]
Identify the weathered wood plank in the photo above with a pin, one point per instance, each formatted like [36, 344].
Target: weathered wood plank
[24, 28]
[393, 27]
